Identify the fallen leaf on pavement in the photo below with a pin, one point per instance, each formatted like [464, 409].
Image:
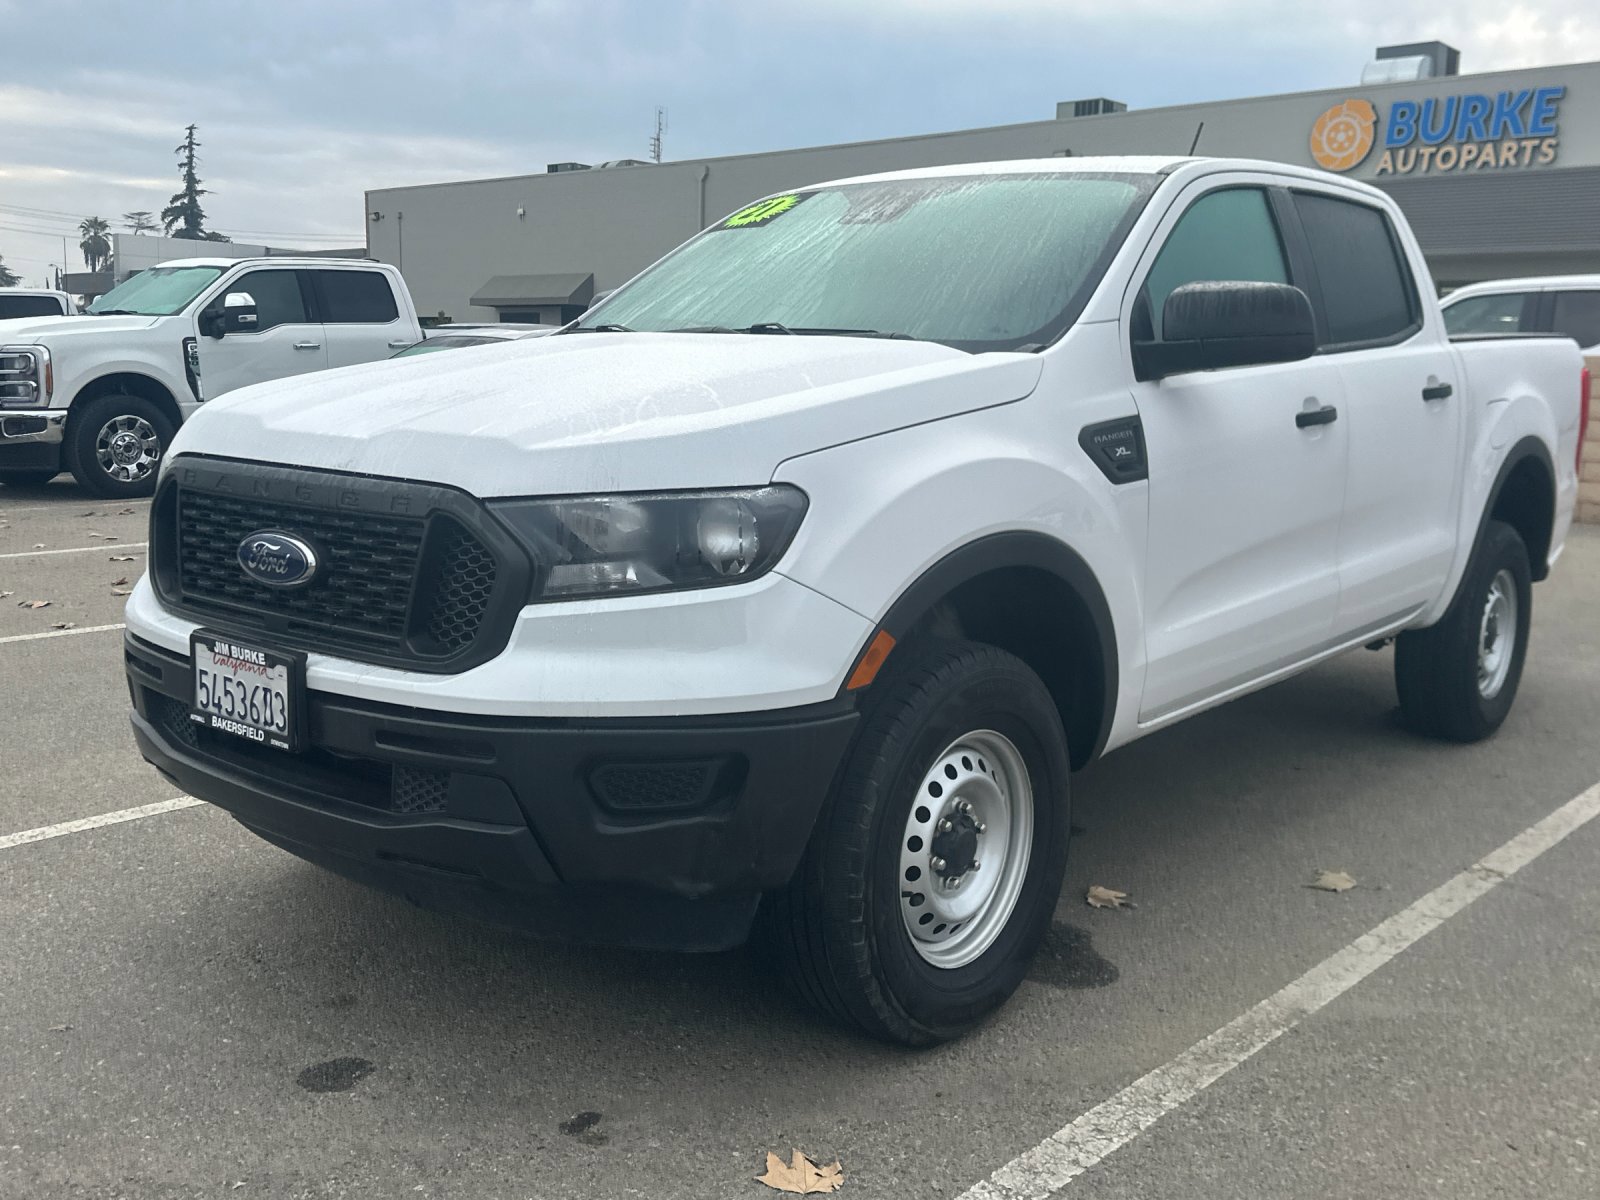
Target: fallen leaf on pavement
[110, 537]
[120, 558]
[1332, 881]
[122, 591]
[119, 582]
[59, 1028]
[33, 604]
[801, 1176]
[38, 545]
[126, 512]
[1104, 897]
[65, 625]
[3, 595]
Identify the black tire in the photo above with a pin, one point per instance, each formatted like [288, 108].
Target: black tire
[839, 926]
[1437, 670]
[27, 479]
[90, 418]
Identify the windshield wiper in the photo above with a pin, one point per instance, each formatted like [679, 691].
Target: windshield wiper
[803, 330]
[611, 328]
[114, 312]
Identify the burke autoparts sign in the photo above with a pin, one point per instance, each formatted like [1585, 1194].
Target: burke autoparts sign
[1474, 132]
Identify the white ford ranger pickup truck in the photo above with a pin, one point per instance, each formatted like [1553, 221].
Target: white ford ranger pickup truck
[795, 579]
[103, 397]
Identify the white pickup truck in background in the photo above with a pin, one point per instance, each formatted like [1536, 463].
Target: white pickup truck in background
[102, 395]
[35, 302]
[800, 573]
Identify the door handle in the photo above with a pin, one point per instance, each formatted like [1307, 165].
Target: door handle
[1326, 415]
[1437, 391]
[400, 345]
[308, 345]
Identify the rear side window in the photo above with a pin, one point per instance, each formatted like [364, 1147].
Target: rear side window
[1367, 293]
[1499, 313]
[1226, 235]
[355, 298]
[28, 306]
[1577, 315]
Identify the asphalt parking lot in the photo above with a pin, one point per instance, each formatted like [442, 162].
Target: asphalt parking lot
[188, 1012]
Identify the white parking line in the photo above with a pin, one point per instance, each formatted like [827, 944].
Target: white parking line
[1055, 1162]
[12, 840]
[77, 550]
[36, 637]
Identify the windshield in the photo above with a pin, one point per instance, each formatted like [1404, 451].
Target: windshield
[158, 292]
[996, 262]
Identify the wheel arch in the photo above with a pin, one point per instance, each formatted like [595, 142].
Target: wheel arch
[1523, 495]
[1034, 597]
[146, 387]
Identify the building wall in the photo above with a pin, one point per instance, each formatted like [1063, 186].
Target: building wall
[449, 238]
[1589, 480]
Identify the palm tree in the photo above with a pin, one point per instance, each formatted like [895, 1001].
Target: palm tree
[95, 245]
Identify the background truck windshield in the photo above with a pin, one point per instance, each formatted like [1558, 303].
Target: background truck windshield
[997, 262]
[158, 292]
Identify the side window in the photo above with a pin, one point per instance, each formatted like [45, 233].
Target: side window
[29, 306]
[1577, 315]
[277, 296]
[1224, 235]
[1499, 313]
[1367, 292]
[355, 297]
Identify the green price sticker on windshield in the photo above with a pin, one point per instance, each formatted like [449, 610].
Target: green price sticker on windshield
[762, 212]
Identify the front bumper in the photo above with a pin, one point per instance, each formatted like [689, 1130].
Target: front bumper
[647, 832]
[31, 440]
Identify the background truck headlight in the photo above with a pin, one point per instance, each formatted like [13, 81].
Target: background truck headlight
[628, 544]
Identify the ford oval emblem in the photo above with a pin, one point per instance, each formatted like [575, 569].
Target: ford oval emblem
[277, 559]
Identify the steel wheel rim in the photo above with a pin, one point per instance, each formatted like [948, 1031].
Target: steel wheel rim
[980, 786]
[127, 448]
[1497, 635]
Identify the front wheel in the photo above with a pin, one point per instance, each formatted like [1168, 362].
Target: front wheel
[936, 866]
[1457, 679]
[115, 443]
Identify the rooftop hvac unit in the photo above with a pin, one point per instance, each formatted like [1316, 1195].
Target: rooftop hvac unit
[1397, 70]
[1096, 107]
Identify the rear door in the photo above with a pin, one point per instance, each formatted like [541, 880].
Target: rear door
[360, 317]
[286, 341]
[1241, 574]
[1404, 401]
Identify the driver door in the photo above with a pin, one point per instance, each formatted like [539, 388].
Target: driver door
[285, 341]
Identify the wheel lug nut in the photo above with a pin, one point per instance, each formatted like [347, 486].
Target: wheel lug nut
[975, 865]
[944, 825]
[937, 863]
[982, 828]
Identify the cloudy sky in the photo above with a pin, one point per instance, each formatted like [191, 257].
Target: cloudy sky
[304, 104]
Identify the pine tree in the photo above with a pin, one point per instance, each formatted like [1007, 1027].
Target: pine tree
[139, 221]
[184, 218]
[8, 277]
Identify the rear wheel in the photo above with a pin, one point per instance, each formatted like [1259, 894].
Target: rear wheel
[115, 443]
[1458, 679]
[27, 479]
[936, 866]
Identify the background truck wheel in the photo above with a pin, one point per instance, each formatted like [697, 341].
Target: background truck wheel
[934, 870]
[27, 479]
[115, 443]
[1457, 679]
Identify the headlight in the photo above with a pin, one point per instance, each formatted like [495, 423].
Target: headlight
[27, 377]
[624, 545]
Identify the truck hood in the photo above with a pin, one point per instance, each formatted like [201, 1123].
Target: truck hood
[29, 331]
[599, 412]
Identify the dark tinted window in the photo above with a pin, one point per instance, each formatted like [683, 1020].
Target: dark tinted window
[1499, 313]
[1367, 294]
[277, 297]
[356, 298]
[1577, 315]
[28, 306]
[1226, 235]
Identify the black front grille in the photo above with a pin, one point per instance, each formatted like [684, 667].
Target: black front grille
[408, 575]
[656, 787]
[363, 589]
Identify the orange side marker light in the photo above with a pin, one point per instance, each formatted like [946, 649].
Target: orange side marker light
[872, 659]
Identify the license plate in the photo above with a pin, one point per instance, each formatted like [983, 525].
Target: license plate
[246, 691]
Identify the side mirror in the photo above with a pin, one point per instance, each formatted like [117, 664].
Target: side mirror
[1210, 325]
[597, 298]
[239, 313]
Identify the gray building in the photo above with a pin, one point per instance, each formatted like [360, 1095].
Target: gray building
[1499, 174]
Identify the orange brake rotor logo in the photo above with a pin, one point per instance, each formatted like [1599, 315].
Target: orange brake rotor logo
[1343, 136]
